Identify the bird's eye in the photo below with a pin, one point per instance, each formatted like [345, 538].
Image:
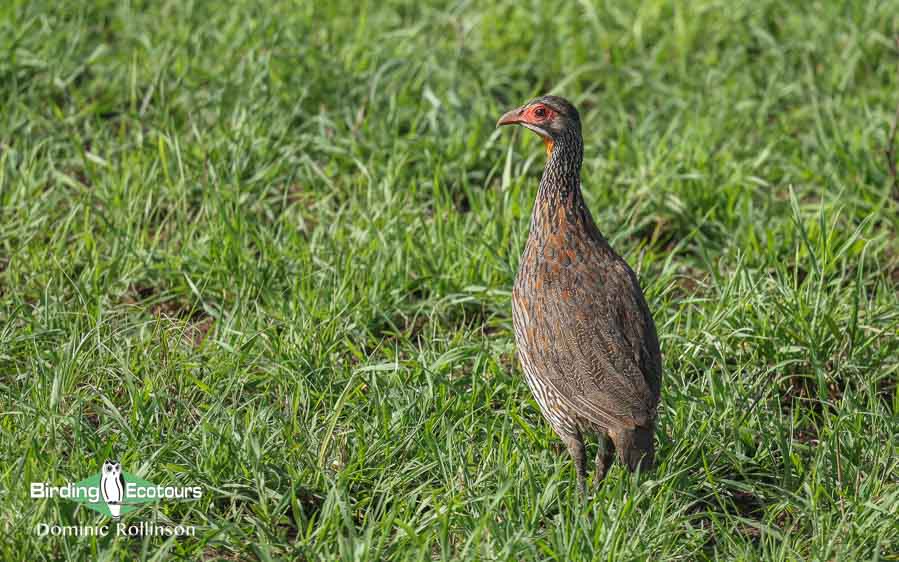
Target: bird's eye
[540, 112]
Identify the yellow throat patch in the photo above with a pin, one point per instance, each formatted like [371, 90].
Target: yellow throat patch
[549, 146]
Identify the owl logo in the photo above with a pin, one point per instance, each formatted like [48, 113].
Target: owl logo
[112, 485]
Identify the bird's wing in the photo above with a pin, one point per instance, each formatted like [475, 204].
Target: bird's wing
[614, 364]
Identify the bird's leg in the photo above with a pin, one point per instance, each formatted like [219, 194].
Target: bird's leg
[604, 458]
[575, 446]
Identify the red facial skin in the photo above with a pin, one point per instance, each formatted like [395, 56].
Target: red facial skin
[539, 115]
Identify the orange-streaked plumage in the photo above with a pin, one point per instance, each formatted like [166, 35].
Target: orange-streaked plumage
[586, 340]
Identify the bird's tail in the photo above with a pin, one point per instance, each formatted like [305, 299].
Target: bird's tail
[636, 447]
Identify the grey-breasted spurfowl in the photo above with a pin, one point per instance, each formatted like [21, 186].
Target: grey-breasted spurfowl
[586, 339]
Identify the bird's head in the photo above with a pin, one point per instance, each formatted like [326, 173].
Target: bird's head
[112, 467]
[551, 117]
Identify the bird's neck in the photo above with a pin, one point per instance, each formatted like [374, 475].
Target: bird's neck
[559, 197]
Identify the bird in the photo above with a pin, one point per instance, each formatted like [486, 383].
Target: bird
[112, 485]
[585, 337]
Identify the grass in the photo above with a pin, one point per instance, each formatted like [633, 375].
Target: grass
[267, 249]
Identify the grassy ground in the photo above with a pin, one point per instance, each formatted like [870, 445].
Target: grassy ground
[268, 249]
